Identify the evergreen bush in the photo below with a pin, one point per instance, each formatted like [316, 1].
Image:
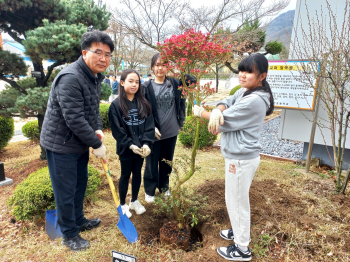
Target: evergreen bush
[104, 116]
[233, 90]
[7, 127]
[106, 91]
[33, 196]
[187, 135]
[31, 130]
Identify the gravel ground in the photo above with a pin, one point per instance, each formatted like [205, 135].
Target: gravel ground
[271, 145]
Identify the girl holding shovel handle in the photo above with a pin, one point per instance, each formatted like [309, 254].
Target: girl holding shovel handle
[240, 118]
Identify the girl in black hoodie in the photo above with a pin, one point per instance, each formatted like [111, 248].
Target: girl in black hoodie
[132, 126]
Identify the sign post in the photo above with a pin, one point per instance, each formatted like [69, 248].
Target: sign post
[121, 257]
[288, 91]
[4, 181]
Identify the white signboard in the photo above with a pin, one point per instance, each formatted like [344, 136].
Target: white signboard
[287, 91]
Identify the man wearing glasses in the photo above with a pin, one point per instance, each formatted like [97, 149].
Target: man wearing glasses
[72, 124]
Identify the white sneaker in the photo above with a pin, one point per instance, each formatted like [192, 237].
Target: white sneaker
[149, 199]
[167, 194]
[125, 209]
[136, 205]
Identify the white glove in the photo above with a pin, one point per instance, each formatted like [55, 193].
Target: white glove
[100, 152]
[100, 135]
[145, 151]
[216, 118]
[136, 149]
[197, 110]
[157, 133]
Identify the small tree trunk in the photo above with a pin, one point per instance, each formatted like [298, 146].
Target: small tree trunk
[346, 180]
[193, 161]
[189, 105]
[217, 77]
[40, 118]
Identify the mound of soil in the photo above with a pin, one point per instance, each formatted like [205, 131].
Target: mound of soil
[271, 205]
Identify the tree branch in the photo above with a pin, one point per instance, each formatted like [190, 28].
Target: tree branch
[228, 64]
[14, 84]
[50, 69]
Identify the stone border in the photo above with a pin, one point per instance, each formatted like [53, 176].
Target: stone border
[6, 182]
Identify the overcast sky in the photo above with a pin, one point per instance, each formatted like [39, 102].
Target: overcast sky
[195, 3]
[199, 3]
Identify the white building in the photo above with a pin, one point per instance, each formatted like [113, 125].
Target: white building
[19, 49]
[294, 125]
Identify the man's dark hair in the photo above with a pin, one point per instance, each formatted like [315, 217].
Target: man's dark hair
[96, 36]
[107, 76]
[149, 75]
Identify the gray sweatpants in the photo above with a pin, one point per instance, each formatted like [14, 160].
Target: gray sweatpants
[239, 175]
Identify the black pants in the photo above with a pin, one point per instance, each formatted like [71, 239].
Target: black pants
[127, 167]
[157, 171]
[69, 176]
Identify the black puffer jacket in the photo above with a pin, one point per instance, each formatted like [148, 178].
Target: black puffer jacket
[72, 115]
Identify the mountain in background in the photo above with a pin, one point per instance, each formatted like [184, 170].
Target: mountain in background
[280, 27]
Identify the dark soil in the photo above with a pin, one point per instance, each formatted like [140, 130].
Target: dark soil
[271, 205]
[174, 237]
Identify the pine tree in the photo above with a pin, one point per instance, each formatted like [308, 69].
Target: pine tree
[49, 29]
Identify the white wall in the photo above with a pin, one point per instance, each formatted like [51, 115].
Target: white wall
[295, 125]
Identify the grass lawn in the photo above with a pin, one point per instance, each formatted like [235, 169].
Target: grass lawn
[295, 216]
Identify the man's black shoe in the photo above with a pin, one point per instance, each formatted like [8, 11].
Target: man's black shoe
[90, 224]
[76, 243]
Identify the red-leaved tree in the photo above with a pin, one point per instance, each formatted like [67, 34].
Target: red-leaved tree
[193, 53]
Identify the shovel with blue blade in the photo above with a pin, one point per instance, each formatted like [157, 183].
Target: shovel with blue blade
[52, 228]
[124, 224]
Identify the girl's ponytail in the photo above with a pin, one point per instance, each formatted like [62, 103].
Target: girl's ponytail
[267, 88]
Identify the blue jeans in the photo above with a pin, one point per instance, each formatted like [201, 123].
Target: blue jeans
[69, 176]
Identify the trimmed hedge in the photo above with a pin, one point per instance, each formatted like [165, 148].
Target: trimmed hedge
[187, 135]
[31, 130]
[7, 128]
[104, 116]
[233, 90]
[33, 196]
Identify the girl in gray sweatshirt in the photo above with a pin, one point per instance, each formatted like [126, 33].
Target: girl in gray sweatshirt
[240, 118]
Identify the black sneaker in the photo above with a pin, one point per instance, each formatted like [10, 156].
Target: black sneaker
[227, 234]
[233, 253]
[90, 224]
[76, 243]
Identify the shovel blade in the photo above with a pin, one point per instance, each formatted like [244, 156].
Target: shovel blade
[52, 228]
[126, 227]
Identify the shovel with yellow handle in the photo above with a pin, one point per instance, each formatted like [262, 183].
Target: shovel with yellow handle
[124, 224]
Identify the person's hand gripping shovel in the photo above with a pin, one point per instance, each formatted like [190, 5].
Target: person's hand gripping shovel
[124, 224]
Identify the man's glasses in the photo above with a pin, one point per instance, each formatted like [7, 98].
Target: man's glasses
[100, 53]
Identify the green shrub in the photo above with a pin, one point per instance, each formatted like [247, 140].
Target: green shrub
[7, 127]
[233, 90]
[104, 116]
[106, 91]
[33, 196]
[31, 130]
[182, 206]
[187, 135]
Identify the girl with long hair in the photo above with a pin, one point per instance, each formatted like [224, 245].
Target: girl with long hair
[168, 108]
[132, 126]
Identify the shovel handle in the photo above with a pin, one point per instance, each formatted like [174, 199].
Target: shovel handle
[110, 182]
[109, 178]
